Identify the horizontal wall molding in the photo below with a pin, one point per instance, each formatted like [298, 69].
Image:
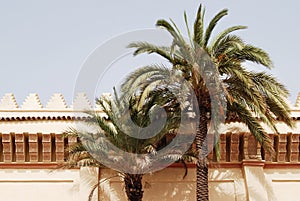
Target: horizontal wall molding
[36, 181]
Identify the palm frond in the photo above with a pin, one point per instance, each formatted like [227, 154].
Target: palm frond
[212, 25]
[254, 126]
[199, 26]
[144, 47]
[187, 27]
[253, 54]
[275, 94]
[225, 45]
[142, 75]
[222, 35]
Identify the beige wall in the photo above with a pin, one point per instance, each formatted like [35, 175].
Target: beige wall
[39, 185]
[168, 184]
[285, 182]
[225, 184]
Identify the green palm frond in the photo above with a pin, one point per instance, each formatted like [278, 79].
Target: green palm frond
[144, 47]
[253, 54]
[77, 147]
[247, 94]
[70, 132]
[227, 44]
[188, 28]
[166, 25]
[212, 25]
[269, 83]
[275, 94]
[281, 111]
[185, 49]
[142, 75]
[173, 30]
[222, 35]
[253, 124]
[199, 26]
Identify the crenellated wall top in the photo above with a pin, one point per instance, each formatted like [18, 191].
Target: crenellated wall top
[55, 116]
[57, 105]
[33, 103]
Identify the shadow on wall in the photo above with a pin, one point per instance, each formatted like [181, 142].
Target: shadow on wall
[169, 184]
[220, 190]
[226, 185]
[171, 191]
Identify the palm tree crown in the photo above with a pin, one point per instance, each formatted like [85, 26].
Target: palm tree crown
[106, 137]
[216, 72]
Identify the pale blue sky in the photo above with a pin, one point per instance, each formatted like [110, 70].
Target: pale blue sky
[44, 43]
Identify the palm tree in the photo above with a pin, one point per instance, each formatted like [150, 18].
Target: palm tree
[215, 70]
[106, 137]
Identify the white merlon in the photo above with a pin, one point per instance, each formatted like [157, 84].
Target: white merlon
[8, 102]
[298, 101]
[32, 102]
[56, 102]
[81, 102]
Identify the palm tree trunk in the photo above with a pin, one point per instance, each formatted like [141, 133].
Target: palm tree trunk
[99, 187]
[202, 166]
[134, 187]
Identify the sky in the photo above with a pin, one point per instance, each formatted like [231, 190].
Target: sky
[43, 44]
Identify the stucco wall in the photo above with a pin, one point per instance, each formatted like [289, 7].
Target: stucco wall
[225, 184]
[168, 184]
[39, 185]
[285, 182]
